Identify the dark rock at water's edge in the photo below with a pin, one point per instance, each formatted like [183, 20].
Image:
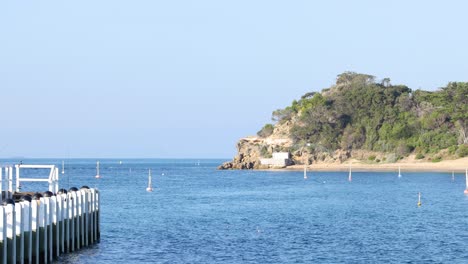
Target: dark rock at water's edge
[231, 165]
[248, 155]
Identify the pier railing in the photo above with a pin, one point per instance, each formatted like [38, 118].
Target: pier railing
[10, 185]
[38, 228]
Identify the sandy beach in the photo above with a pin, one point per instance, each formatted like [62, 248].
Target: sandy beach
[458, 166]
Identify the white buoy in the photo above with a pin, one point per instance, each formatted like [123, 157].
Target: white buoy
[97, 171]
[399, 172]
[350, 177]
[305, 162]
[150, 185]
[466, 179]
[120, 162]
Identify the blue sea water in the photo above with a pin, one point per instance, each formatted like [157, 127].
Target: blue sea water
[197, 214]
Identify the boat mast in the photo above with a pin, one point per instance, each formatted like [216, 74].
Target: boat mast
[350, 177]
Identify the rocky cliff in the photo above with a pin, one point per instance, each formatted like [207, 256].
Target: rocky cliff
[251, 149]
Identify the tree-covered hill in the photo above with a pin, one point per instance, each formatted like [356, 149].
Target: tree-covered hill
[359, 113]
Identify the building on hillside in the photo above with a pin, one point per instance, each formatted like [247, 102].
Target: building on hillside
[279, 159]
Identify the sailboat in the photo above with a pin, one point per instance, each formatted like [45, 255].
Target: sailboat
[97, 171]
[466, 177]
[350, 177]
[399, 172]
[419, 198]
[63, 167]
[150, 185]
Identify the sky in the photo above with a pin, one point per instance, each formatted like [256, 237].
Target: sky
[188, 79]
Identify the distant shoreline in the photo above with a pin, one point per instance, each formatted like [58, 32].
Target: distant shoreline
[449, 166]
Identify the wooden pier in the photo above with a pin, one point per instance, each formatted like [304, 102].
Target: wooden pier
[39, 227]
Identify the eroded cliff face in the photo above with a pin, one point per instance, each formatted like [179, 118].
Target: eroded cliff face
[251, 149]
[248, 155]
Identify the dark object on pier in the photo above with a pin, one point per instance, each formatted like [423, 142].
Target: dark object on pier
[48, 194]
[26, 197]
[62, 191]
[73, 189]
[9, 201]
[37, 196]
[84, 187]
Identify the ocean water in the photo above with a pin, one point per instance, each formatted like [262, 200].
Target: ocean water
[197, 214]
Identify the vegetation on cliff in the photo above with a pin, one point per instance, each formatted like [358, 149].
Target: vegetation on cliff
[360, 113]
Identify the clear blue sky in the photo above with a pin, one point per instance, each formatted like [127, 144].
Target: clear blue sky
[187, 79]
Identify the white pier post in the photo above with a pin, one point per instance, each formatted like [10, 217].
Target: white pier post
[59, 220]
[19, 233]
[49, 228]
[17, 177]
[5, 177]
[27, 231]
[98, 221]
[11, 233]
[55, 210]
[72, 198]
[56, 180]
[35, 230]
[78, 219]
[1, 186]
[66, 221]
[84, 193]
[61, 204]
[3, 235]
[92, 220]
[43, 231]
[10, 181]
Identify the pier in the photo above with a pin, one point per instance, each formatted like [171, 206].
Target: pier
[38, 227]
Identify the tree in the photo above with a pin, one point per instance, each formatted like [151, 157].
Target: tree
[385, 82]
[266, 131]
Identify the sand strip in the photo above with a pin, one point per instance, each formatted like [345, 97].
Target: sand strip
[458, 166]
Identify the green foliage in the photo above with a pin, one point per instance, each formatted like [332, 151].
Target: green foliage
[462, 151]
[437, 159]
[452, 149]
[372, 157]
[360, 113]
[264, 152]
[419, 156]
[282, 115]
[266, 131]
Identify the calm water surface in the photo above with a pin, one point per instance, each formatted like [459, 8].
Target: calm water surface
[197, 214]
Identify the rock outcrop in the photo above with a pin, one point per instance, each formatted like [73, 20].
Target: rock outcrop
[251, 149]
[248, 155]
